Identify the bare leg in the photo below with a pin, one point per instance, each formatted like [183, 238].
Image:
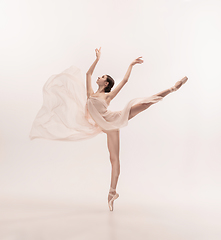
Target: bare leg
[137, 108]
[113, 143]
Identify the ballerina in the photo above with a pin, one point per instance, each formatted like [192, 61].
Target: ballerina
[105, 83]
[71, 112]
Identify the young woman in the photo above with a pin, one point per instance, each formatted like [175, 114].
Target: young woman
[115, 120]
[72, 113]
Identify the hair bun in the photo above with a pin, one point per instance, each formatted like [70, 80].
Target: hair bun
[110, 80]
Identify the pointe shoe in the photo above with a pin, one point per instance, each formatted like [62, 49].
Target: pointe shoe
[174, 88]
[114, 197]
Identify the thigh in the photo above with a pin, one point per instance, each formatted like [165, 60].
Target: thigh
[113, 143]
[137, 108]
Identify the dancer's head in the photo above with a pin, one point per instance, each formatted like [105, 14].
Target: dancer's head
[105, 81]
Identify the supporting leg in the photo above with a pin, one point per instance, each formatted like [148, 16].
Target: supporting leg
[113, 143]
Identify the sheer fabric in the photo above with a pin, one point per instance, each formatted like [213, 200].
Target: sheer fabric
[67, 114]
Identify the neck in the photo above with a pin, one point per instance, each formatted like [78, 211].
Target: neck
[100, 90]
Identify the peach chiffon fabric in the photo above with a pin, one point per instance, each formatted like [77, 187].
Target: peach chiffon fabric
[68, 115]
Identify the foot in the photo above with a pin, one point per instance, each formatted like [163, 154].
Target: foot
[111, 197]
[178, 84]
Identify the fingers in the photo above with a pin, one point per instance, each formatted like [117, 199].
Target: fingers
[97, 49]
[140, 60]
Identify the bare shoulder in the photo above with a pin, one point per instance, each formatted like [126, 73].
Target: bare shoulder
[108, 97]
[90, 93]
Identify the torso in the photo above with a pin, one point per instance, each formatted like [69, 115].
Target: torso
[104, 96]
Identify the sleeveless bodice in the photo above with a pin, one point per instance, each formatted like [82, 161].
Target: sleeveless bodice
[100, 104]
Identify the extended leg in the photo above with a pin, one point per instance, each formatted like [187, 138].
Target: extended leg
[137, 108]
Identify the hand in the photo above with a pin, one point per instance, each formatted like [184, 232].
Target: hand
[137, 60]
[98, 53]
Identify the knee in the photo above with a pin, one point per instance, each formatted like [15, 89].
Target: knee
[114, 160]
[115, 165]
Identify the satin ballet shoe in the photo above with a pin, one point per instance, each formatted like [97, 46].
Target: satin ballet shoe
[174, 88]
[183, 80]
[114, 197]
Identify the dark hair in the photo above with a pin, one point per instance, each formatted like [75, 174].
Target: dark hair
[110, 85]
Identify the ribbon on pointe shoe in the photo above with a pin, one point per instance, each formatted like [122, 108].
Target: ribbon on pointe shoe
[183, 80]
[112, 189]
[173, 89]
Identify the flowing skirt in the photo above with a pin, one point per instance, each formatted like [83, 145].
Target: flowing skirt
[64, 114]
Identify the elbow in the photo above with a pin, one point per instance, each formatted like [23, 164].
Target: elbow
[88, 73]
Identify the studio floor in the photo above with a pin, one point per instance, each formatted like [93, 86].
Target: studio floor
[38, 220]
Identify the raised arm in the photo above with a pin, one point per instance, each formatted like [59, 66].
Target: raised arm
[113, 93]
[90, 72]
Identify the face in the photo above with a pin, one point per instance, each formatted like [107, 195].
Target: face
[102, 80]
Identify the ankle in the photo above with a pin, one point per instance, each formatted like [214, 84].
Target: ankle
[173, 89]
[112, 190]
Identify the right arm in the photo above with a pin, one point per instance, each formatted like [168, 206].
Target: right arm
[90, 72]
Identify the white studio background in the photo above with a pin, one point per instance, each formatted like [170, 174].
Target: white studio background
[169, 153]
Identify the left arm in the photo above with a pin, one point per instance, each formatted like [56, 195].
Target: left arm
[113, 93]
